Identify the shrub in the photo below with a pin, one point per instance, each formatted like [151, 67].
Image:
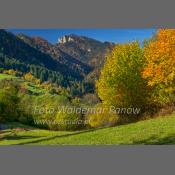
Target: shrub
[90, 99]
[68, 120]
[10, 72]
[29, 77]
[8, 107]
[102, 117]
[39, 107]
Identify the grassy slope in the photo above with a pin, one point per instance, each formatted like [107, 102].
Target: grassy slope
[34, 89]
[30, 86]
[5, 76]
[154, 131]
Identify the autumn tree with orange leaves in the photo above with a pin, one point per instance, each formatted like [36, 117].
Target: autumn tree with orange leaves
[160, 68]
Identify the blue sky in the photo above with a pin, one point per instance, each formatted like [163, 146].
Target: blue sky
[112, 35]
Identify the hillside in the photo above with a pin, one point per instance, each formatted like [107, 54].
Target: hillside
[74, 62]
[87, 50]
[154, 131]
[19, 55]
[74, 50]
[47, 48]
[48, 92]
[19, 97]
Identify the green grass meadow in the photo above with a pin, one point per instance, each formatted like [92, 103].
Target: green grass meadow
[5, 76]
[154, 131]
[157, 131]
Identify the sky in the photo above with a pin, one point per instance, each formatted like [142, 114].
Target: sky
[111, 35]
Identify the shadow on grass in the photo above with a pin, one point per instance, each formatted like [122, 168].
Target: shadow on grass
[154, 140]
[11, 135]
[59, 136]
[4, 132]
[16, 137]
[7, 135]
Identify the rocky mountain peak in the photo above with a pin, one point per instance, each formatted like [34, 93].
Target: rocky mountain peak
[65, 39]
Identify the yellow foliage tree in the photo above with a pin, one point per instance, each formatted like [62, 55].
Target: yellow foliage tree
[29, 77]
[121, 83]
[10, 72]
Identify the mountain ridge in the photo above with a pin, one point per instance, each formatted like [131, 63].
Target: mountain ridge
[73, 62]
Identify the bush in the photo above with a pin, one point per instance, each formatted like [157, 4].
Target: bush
[103, 117]
[29, 77]
[90, 99]
[11, 72]
[39, 107]
[8, 107]
[68, 121]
